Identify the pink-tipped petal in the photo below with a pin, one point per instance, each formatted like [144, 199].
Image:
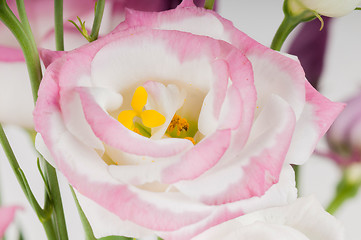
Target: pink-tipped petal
[200, 158]
[255, 168]
[316, 118]
[48, 56]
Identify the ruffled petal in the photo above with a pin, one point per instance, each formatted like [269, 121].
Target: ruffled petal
[316, 118]
[303, 219]
[255, 168]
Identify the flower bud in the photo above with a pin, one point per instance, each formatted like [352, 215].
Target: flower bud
[330, 8]
[344, 136]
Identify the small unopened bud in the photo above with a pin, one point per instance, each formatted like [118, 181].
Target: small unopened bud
[344, 136]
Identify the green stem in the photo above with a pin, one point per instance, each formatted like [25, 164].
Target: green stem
[13, 161]
[358, 8]
[50, 172]
[89, 235]
[49, 230]
[345, 191]
[209, 4]
[286, 27]
[59, 28]
[24, 19]
[99, 10]
[30, 52]
[27, 43]
[43, 215]
[59, 218]
[290, 21]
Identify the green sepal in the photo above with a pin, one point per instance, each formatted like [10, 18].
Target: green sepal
[82, 28]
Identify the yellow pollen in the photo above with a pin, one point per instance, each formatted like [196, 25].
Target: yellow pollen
[190, 139]
[150, 118]
[181, 124]
[136, 130]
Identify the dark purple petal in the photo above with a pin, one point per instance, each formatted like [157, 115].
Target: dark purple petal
[310, 46]
[154, 5]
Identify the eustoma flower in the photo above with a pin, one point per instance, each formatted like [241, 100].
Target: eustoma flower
[304, 219]
[176, 122]
[6, 217]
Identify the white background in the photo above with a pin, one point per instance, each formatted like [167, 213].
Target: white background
[259, 19]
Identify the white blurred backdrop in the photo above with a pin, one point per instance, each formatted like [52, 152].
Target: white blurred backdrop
[260, 20]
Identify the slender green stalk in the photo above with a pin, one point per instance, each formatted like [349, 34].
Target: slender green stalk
[346, 189]
[49, 230]
[99, 11]
[24, 19]
[290, 21]
[209, 4]
[343, 194]
[12, 160]
[43, 215]
[50, 172]
[59, 218]
[59, 28]
[286, 27]
[358, 8]
[30, 52]
[89, 235]
[27, 43]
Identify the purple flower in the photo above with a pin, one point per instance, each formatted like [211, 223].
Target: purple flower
[344, 136]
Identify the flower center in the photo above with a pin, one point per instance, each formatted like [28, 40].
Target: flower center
[141, 121]
[150, 118]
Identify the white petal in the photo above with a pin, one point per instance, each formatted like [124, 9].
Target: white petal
[166, 100]
[104, 223]
[304, 219]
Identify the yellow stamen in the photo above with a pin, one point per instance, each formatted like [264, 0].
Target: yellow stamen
[173, 124]
[190, 139]
[181, 124]
[126, 118]
[150, 118]
[139, 99]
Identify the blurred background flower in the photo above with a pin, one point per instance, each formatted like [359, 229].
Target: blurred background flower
[6, 217]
